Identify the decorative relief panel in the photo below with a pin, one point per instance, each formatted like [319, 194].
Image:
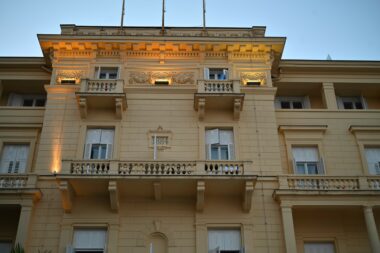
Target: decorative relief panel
[162, 138]
[174, 78]
[74, 75]
[253, 76]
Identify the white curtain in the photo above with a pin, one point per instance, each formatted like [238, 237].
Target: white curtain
[226, 137]
[212, 136]
[373, 160]
[14, 158]
[319, 247]
[305, 154]
[224, 239]
[90, 238]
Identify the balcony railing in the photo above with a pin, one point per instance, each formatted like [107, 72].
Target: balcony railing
[17, 181]
[218, 86]
[102, 86]
[332, 183]
[155, 168]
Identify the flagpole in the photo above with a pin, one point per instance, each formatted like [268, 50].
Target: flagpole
[122, 15]
[163, 17]
[204, 15]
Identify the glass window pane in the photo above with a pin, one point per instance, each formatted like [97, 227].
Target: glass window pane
[285, 105]
[214, 152]
[358, 105]
[312, 168]
[28, 102]
[300, 168]
[297, 105]
[224, 152]
[94, 151]
[348, 105]
[103, 151]
[40, 102]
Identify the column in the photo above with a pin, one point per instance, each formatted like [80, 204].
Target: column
[328, 96]
[290, 237]
[23, 225]
[371, 229]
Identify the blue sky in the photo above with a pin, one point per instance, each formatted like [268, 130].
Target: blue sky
[345, 29]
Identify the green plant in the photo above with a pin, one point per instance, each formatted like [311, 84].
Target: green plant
[17, 249]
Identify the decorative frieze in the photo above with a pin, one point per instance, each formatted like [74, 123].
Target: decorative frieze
[161, 137]
[173, 78]
[69, 75]
[247, 77]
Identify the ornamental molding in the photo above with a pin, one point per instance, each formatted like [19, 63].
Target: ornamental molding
[69, 74]
[174, 78]
[256, 76]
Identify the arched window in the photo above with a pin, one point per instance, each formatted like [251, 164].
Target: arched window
[157, 243]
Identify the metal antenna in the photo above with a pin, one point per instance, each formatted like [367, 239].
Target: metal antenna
[163, 17]
[122, 15]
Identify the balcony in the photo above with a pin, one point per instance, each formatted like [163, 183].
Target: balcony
[157, 180]
[19, 184]
[102, 94]
[334, 190]
[16, 115]
[218, 95]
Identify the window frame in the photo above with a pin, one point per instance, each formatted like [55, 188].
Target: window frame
[319, 163]
[100, 145]
[23, 97]
[98, 70]
[90, 227]
[227, 74]
[28, 139]
[334, 241]
[353, 100]
[230, 152]
[14, 160]
[202, 126]
[226, 227]
[116, 126]
[304, 100]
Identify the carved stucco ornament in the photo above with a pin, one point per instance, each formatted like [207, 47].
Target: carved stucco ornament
[69, 74]
[137, 77]
[253, 76]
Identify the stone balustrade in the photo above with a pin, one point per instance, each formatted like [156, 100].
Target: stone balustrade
[102, 86]
[335, 183]
[218, 86]
[154, 168]
[17, 181]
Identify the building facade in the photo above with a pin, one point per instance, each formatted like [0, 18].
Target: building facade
[187, 141]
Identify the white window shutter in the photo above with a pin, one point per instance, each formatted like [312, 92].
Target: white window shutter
[225, 73]
[106, 136]
[305, 154]
[7, 158]
[87, 151]
[93, 136]
[277, 102]
[97, 72]
[339, 102]
[364, 102]
[90, 239]
[109, 151]
[212, 136]
[306, 102]
[22, 157]
[226, 137]
[15, 100]
[208, 151]
[231, 152]
[294, 166]
[373, 159]
[321, 167]
[69, 249]
[206, 73]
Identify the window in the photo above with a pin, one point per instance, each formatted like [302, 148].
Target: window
[307, 161]
[216, 74]
[106, 72]
[26, 100]
[219, 144]
[14, 158]
[373, 160]
[292, 102]
[319, 247]
[224, 241]
[6, 246]
[89, 241]
[99, 144]
[351, 103]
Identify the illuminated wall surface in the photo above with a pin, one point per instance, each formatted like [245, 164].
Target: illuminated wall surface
[187, 141]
